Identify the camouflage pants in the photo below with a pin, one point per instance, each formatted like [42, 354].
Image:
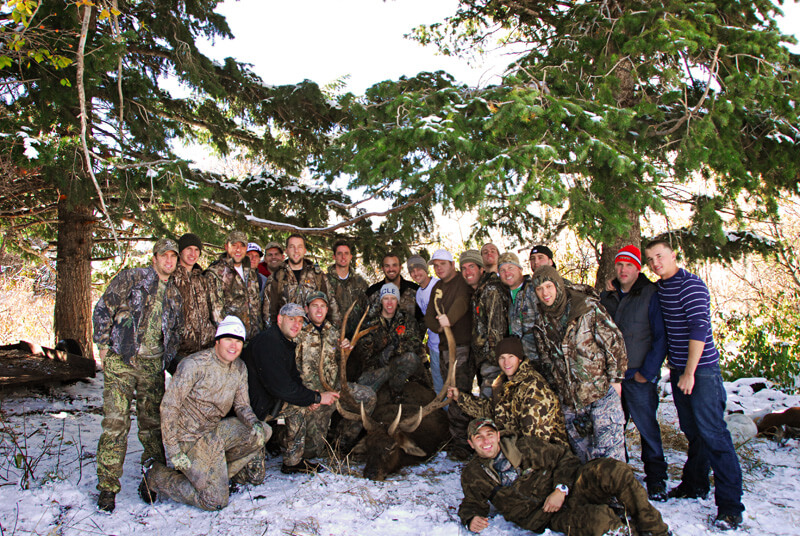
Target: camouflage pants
[598, 430]
[465, 373]
[307, 429]
[585, 511]
[396, 372]
[216, 458]
[144, 379]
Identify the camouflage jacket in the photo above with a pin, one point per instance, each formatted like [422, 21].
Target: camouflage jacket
[523, 404]
[590, 355]
[198, 328]
[542, 466]
[314, 344]
[122, 311]
[522, 315]
[285, 288]
[396, 336]
[230, 295]
[489, 303]
[345, 292]
[201, 393]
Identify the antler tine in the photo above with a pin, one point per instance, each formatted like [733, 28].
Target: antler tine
[345, 393]
[349, 415]
[396, 421]
[369, 423]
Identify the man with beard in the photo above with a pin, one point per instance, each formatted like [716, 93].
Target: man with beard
[408, 289]
[490, 255]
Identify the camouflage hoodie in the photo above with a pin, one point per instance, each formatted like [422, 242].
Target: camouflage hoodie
[198, 328]
[285, 288]
[522, 315]
[489, 303]
[541, 465]
[590, 355]
[230, 295]
[523, 404]
[121, 313]
[394, 337]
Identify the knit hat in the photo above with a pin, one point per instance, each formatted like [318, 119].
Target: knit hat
[292, 309]
[416, 261]
[477, 424]
[441, 255]
[236, 236]
[275, 245]
[189, 239]
[253, 246]
[316, 295]
[510, 345]
[508, 258]
[471, 255]
[629, 254]
[230, 327]
[163, 245]
[390, 289]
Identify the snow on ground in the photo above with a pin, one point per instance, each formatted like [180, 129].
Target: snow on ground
[55, 433]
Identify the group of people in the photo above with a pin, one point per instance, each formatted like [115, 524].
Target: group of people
[559, 371]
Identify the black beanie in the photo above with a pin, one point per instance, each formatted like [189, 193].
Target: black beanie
[510, 345]
[190, 239]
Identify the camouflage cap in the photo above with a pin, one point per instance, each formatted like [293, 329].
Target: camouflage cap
[163, 245]
[292, 309]
[275, 245]
[508, 258]
[477, 424]
[471, 255]
[236, 236]
[316, 295]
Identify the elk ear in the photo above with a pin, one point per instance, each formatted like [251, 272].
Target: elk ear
[360, 448]
[411, 448]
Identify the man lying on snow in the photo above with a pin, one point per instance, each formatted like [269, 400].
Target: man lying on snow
[540, 485]
[206, 448]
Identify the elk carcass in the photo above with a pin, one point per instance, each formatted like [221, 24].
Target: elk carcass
[393, 442]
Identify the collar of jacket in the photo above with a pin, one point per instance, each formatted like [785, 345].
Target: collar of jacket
[641, 282]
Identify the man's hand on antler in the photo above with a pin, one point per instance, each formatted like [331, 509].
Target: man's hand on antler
[346, 344]
[444, 322]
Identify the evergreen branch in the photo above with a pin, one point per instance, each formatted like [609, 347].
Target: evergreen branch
[223, 210]
[26, 212]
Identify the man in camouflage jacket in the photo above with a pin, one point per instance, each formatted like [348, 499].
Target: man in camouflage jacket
[205, 447]
[408, 290]
[307, 427]
[137, 326]
[296, 279]
[234, 285]
[198, 328]
[392, 352]
[489, 304]
[587, 352]
[540, 485]
[346, 287]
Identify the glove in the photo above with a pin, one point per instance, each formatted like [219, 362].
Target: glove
[261, 433]
[181, 462]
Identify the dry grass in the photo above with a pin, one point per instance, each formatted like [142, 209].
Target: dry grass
[27, 298]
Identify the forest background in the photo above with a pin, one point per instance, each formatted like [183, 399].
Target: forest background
[614, 122]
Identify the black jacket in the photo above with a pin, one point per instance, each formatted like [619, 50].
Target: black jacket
[272, 374]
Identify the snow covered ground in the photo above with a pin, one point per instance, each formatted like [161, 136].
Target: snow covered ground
[55, 433]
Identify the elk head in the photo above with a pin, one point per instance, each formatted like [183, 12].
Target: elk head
[385, 444]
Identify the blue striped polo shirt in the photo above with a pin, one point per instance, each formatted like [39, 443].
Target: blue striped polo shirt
[686, 307]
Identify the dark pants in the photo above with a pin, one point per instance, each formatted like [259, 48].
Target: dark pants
[640, 402]
[710, 446]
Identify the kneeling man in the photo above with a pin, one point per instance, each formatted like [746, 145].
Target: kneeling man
[540, 485]
[206, 448]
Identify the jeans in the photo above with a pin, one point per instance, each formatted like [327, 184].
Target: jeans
[436, 373]
[640, 403]
[710, 446]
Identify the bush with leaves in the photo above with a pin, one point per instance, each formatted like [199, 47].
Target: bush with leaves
[763, 343]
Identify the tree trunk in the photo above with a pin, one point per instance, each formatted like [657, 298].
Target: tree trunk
[605, 270]
[73, 308]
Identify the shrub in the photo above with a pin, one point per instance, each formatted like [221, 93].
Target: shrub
[764, 343]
